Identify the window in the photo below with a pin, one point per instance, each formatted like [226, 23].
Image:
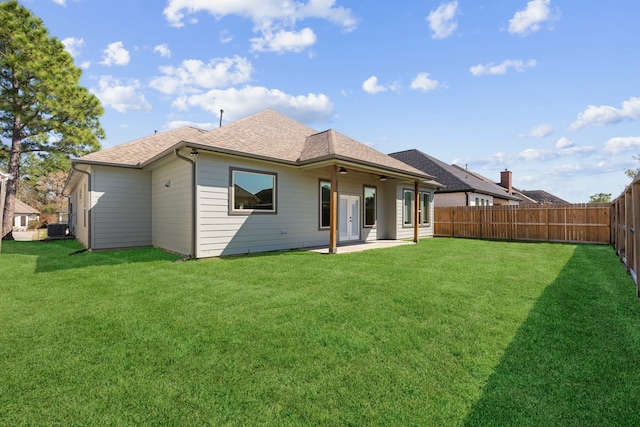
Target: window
[369, 207]
[407, 208]
[425, 208]
[252, 191]
[325, 204]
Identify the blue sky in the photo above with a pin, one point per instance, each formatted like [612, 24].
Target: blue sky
[546, 88]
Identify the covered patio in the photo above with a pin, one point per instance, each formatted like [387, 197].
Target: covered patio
[361, 246]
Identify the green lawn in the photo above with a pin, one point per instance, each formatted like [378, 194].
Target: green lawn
[448, 332]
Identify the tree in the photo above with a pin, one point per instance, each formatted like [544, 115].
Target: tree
[43, 108]
[632, 172]
[600, 198]
[42, 179]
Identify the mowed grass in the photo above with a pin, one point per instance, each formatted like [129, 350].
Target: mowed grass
[446, 332]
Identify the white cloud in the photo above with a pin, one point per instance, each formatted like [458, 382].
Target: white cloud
[284, 41]
[529, 20]
[163, 50]
[501, 69]
[85, 65]
[622, 144]
[121, 97]
[115, 54]
[563, 148]
[60, 2]
[274, 19]
[564, 143]
[372, 87]
[238, 103]
[193, 75]
[73, 45]
[262, 11]
[442, 20]
[424, 83]
[606, 115]
[539, 131]
[225, 37]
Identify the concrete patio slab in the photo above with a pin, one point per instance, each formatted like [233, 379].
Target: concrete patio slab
[363, 246]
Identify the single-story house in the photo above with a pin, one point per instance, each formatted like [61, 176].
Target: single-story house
[461, 186]
[526, 197]
[262, 183]
[22, 215]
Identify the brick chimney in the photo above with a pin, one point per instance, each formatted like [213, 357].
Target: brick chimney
[506, 180]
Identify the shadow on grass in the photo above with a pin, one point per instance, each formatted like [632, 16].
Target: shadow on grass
[67, 254]
[574, 360]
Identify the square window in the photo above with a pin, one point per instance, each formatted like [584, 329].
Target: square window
[252, 192]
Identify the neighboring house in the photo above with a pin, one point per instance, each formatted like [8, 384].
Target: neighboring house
[22, 215]
[262, 183]
[540, 196]
[461, 187]
[526, 197]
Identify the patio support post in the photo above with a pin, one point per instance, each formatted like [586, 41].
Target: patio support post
[333, 212]
[416, 211]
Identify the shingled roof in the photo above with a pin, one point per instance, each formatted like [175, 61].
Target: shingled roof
[453, 177]
[139, 151]
[266, 135]
[543, 197]
[24, 209]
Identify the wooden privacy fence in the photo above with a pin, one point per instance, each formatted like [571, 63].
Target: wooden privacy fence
[625, 228]
[574, 223]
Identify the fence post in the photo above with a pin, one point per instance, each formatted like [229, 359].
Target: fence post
[635, 194]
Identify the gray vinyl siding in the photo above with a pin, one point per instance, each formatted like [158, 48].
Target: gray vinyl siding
[388, 229]
[121, 208]
[80, 202]
[295, 225]
[171, 200]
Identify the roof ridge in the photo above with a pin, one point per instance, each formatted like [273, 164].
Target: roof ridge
[332, 141]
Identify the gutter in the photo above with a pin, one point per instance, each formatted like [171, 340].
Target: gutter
[69, 214]
[193, 201]
[89, 214]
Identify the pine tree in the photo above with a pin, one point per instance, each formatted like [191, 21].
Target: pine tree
[43, 108]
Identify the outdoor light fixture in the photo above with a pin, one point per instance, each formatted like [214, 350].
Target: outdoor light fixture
[383, 178]
[343, 171]
[194, 152]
